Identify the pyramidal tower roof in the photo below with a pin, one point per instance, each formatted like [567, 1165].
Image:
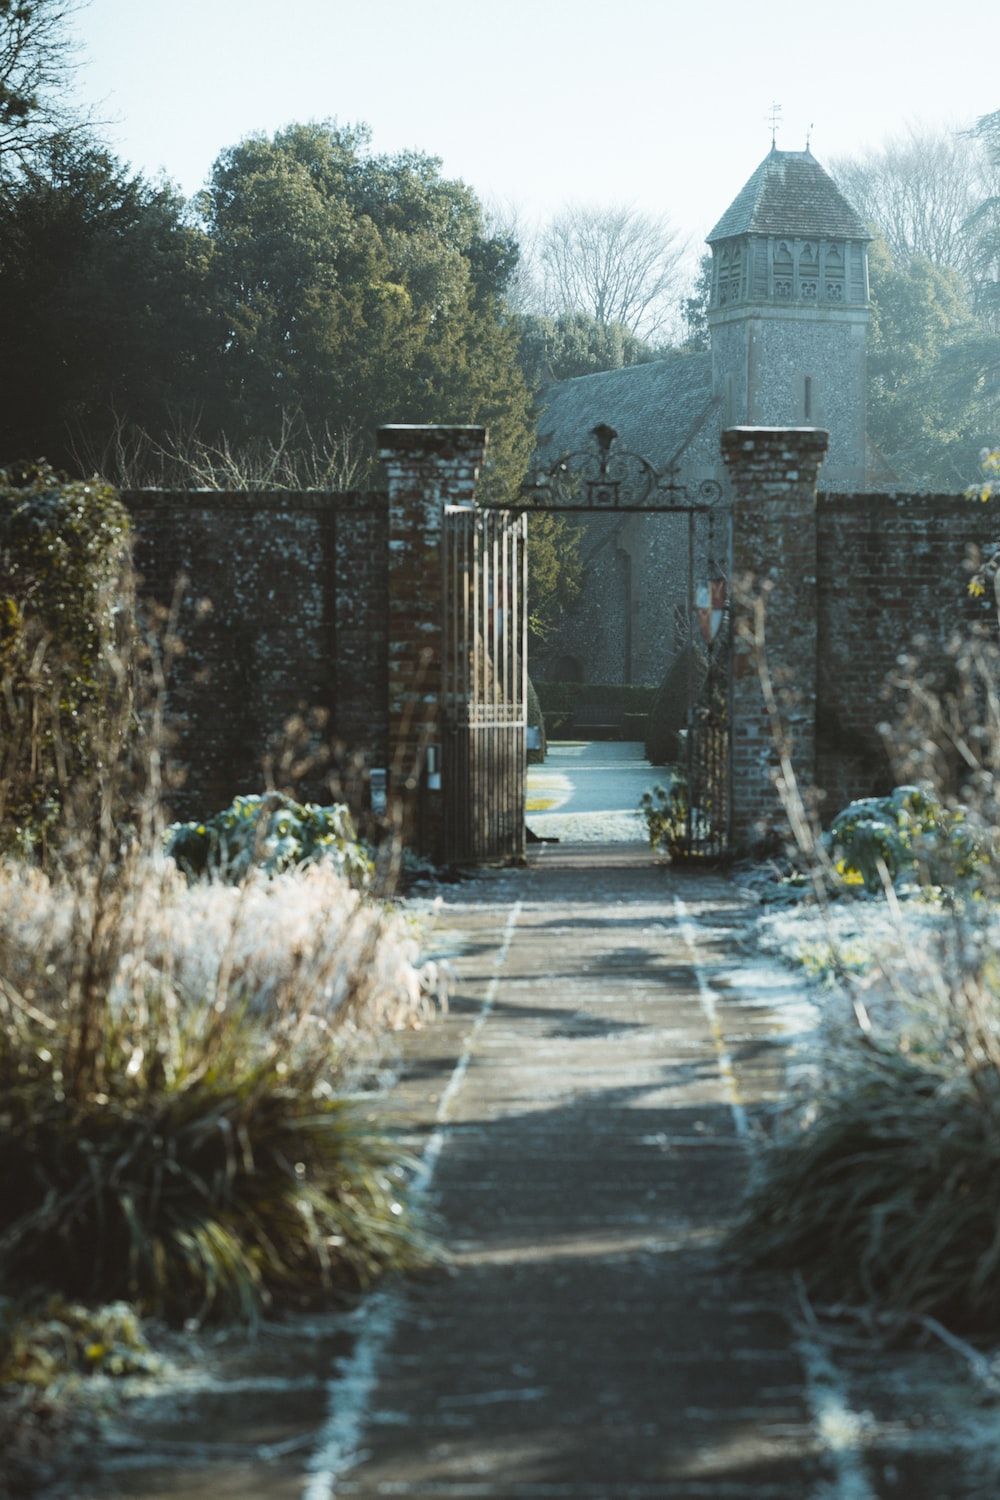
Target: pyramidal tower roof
[791, 194]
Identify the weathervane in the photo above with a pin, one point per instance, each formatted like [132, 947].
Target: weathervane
[773, 118]
[809, 134]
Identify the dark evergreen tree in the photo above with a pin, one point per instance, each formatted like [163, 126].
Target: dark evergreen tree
[102, 302]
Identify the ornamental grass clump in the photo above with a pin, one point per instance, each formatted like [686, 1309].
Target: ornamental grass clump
[891, 1192]
[884, 1186]
[175, 1067]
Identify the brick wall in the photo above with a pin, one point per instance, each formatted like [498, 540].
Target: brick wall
[297, 588]
[852, 582]
[891, 579]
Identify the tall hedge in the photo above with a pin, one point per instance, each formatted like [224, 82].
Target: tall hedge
[65, 606]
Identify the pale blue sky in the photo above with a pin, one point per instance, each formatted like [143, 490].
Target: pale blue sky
[541, 101]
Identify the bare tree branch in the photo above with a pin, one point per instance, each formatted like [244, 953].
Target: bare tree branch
[919, 191]
[37, 62]
[615, 264]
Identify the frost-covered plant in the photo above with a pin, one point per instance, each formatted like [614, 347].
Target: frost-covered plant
[665, 809]
[273, 833]
[909, 832]
[885, 1185]
[174, 1065]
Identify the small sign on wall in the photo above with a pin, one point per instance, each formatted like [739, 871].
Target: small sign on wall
[433, 768]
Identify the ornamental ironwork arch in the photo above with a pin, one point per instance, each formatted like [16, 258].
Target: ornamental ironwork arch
[614, 480]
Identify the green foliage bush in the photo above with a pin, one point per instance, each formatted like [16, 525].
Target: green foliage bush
[665, 809]
[271, 832]
[908, 832]
[560, 700]
[558, 697]
[65, 602]
[536, 720]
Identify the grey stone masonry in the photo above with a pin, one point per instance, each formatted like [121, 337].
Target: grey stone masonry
[773, 473]
[428, 468]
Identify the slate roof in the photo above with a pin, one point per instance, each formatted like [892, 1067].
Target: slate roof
[791, 194]
[655, 408]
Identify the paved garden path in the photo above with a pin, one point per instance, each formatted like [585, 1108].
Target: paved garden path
[585, 1120]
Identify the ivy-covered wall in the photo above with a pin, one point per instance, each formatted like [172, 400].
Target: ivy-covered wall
[283, 616]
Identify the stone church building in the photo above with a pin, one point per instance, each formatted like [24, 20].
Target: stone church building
[788, 318]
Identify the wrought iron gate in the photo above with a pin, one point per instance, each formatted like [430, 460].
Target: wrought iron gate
[609, 480]
[485, 683]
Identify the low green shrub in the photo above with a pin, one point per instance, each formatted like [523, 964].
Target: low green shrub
[563, 697]
[271, 832]
[536, 720]
[909, 832]
[46, 1340]
[177, 1063]
[665, 809]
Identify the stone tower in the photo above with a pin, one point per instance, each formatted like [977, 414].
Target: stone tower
[789, 310]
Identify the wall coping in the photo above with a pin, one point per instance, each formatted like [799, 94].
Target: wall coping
[308, 501]
[740, 439]
[874, 500]
[439, 442]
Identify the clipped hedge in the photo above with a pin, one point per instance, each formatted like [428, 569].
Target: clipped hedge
[536, 720]
[560, 702]
[680, 688]
[563, 697]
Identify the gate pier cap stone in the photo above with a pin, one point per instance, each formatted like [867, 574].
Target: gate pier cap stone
[410, 440]
[805, 440]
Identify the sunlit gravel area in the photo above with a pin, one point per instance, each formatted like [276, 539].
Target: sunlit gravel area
[588, 792]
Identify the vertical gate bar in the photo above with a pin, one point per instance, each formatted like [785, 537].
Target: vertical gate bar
[496, 790]
[485, 687]
[730, 737]
[523, 705]
[505, 693]
[693, 709]
[474, 693]
[504, 803]
[468, 680]
[515, 749]
[447, 550]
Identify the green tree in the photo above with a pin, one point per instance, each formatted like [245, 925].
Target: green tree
[102, 301]
[694, 308]
[555, 571]
[930, 400]
[575, 344]
[359, 289]
[983, 229]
